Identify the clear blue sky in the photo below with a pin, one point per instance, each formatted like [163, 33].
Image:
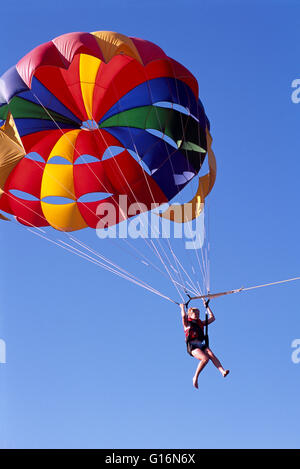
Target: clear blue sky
[67, 383]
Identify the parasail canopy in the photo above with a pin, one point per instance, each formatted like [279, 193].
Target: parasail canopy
[99, 113]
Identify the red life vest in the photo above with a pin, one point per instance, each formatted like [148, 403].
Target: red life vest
[194, 331]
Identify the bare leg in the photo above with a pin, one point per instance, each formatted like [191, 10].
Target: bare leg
[216, 362]
[204, 359]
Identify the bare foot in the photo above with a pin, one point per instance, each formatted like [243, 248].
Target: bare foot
[195, 382]
[226, 373]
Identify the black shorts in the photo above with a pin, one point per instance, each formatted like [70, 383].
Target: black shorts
[194, 344]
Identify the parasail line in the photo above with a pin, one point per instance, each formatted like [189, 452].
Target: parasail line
[159, 256]
[180, 277]
[126, 275]
[46, 110]
[238, 290]
[100, 264]
[175, 283]
[202, 267]
[272, 283]
[141, 218]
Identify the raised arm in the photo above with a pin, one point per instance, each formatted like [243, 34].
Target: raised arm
[183, 314]
[211, 317]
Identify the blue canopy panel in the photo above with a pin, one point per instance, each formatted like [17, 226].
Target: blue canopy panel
[151, 149]
[171, 177]
[31, 126]
[11, 84]
[41, 96]
[155, 91]
[165, 163]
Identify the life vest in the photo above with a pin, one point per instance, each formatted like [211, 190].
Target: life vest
[194, 331]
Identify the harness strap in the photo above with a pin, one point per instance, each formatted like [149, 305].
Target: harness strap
[206, 337]
[206, 324]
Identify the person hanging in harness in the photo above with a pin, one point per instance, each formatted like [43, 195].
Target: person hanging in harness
[197, 339]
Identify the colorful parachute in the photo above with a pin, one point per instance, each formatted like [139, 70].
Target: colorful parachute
[98, 113]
